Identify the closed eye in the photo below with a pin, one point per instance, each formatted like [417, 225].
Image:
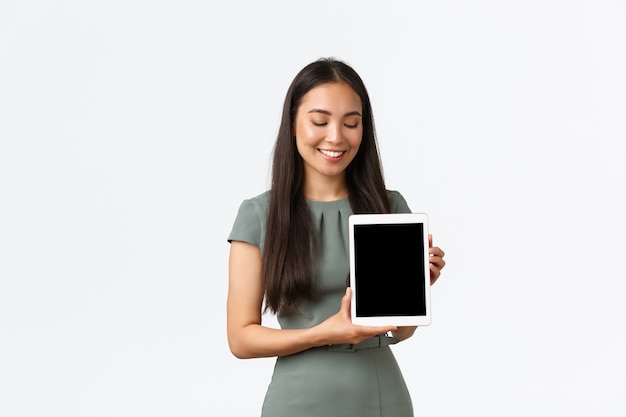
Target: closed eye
[319, 123]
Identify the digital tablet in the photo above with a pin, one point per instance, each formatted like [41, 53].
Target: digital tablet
[389, 269]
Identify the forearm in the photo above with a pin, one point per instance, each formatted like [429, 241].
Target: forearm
[257, 341]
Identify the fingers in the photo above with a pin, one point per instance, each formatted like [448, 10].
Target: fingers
[383, 329]
[436, 262]
[369, 331]
[436, 251]
[436, 256]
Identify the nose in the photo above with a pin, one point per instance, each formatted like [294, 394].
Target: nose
[335, 134]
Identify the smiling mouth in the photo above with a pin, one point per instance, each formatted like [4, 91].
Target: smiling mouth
[332, 154]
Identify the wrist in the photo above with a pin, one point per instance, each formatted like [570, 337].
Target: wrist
[312, 337]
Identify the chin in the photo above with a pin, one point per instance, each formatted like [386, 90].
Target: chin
[334, 173]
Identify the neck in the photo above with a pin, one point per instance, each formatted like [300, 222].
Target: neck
[326, 188]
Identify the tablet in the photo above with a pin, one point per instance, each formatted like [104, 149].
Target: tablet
[389, 269]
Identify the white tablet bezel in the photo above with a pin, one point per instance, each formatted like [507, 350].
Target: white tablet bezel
[401, 218]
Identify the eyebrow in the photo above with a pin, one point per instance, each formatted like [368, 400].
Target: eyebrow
[326, 112]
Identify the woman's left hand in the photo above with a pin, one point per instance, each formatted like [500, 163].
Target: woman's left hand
[436, 265]
[436, 260]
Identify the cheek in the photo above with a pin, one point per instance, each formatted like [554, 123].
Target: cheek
[304, 134]
[356, 139]
[304, 145]
[299, 145]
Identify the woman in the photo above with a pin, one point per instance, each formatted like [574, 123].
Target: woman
[289, 255]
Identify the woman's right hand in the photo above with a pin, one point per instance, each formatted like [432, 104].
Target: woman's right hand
[339, 329]
[248, 338]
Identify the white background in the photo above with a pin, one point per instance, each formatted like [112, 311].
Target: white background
[131, 131]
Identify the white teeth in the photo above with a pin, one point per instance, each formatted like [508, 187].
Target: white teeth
[331, 153]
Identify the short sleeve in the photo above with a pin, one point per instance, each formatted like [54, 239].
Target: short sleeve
[397, 203]
[249, 224]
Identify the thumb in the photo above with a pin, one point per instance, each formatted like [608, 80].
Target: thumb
[345, 303]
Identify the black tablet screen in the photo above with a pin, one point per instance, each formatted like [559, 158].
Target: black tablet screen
[389, 269]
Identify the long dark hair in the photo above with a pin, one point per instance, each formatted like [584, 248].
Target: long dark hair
[290, 248]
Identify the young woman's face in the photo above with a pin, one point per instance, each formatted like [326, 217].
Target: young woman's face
[328, 129]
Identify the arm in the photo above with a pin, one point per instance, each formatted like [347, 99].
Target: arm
[248, 338]
[436, 265]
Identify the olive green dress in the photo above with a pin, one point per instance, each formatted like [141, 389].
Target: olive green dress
[320, 382]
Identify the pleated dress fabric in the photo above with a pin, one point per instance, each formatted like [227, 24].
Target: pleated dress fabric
[319, 382]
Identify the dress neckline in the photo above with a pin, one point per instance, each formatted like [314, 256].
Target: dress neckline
[329, 201]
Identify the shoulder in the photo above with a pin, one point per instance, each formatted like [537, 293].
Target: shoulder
[397, 203]
[255, 208]
[249, 224]
[258, 203]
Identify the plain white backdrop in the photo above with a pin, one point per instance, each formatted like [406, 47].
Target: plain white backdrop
[130, 132]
